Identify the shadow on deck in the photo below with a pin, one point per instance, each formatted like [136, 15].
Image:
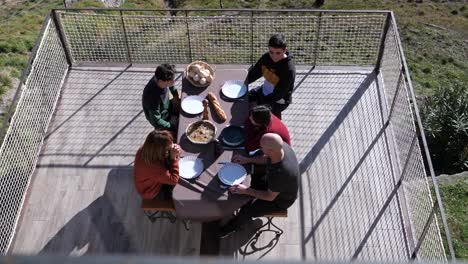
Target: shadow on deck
[82, 199]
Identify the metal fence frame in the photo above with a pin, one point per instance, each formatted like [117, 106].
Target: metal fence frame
[419, 129]
[120, 19]
[23, 131]
[389, 21]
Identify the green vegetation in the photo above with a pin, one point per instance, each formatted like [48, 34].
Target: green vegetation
[19, 29]
[445, 115]
[455, 198]
[142, 4]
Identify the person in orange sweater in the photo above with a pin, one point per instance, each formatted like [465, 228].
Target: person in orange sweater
[156, 170]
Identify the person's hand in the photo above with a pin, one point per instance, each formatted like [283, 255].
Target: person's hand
[238, 189]
[174, 152]
[240, 159]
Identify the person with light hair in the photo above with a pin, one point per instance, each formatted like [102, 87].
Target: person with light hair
[281, 188]
[156, 169]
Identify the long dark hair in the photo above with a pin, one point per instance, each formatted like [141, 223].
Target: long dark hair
[155, 150]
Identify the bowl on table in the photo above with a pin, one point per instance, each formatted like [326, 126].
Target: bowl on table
[201, 132]
[199, 74]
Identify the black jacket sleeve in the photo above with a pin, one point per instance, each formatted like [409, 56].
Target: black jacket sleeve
[255, 72]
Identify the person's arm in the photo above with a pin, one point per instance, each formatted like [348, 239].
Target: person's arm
[154, 114]
[255, 73]
[171, 177]
[252, 137]
[261, 160]
[156, 120]
[262, 195]
[284, 86]
[174, 92]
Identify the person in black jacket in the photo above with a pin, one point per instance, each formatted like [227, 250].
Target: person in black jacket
[277, 67]
[159, 110]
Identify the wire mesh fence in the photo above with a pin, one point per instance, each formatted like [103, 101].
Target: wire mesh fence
[426, 242]
[23, 140]
[313, 37]
[404, 222]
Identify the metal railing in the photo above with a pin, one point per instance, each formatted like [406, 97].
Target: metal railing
[35, 102]
[409, 136]
[228, 36]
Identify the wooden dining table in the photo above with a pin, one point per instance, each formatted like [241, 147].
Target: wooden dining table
[205, 198]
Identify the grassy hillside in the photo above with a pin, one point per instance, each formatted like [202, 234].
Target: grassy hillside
[455, 198]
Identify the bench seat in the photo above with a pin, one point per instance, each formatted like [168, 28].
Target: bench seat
[155, 205]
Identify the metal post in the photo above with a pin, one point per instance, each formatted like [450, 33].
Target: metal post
[129, 57]
[188, 36]
[61, 35]
[251, 39]
[382, 43]
[317, 36]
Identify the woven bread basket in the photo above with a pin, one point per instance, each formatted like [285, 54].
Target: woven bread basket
[203, 65]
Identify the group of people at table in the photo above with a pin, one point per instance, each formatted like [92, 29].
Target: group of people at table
[274, 183]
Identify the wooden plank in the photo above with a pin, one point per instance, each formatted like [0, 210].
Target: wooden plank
[82, 199]
[166, 205]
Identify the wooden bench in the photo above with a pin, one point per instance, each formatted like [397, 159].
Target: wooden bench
[269, 223]
[267, 227]
[279, 213]
[154, 205]
[155, 209]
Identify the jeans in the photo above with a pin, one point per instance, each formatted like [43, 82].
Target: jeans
[256, 95]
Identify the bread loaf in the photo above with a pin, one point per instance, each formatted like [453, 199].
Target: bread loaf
[216, 106]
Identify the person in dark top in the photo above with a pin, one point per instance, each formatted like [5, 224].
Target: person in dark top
[159, 110]
[277, 67]
[282, 185]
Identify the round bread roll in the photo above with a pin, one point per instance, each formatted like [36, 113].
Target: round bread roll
[209, 78]
[202, 80]
[196, 77]
[195, 68]
[204, 73]
[191, 74]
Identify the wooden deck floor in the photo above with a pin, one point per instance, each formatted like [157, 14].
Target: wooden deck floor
[82, 199]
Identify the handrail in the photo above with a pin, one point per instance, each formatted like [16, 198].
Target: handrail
[225, 10]
[424, 142]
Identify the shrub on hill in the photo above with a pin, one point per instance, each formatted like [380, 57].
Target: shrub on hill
[445, 119]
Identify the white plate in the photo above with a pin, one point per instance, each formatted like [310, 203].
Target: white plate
[232, 174]
[234, 89]
[190, 167]
[192, 104]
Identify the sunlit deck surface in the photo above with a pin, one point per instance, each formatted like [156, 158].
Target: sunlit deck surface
[82, 198]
